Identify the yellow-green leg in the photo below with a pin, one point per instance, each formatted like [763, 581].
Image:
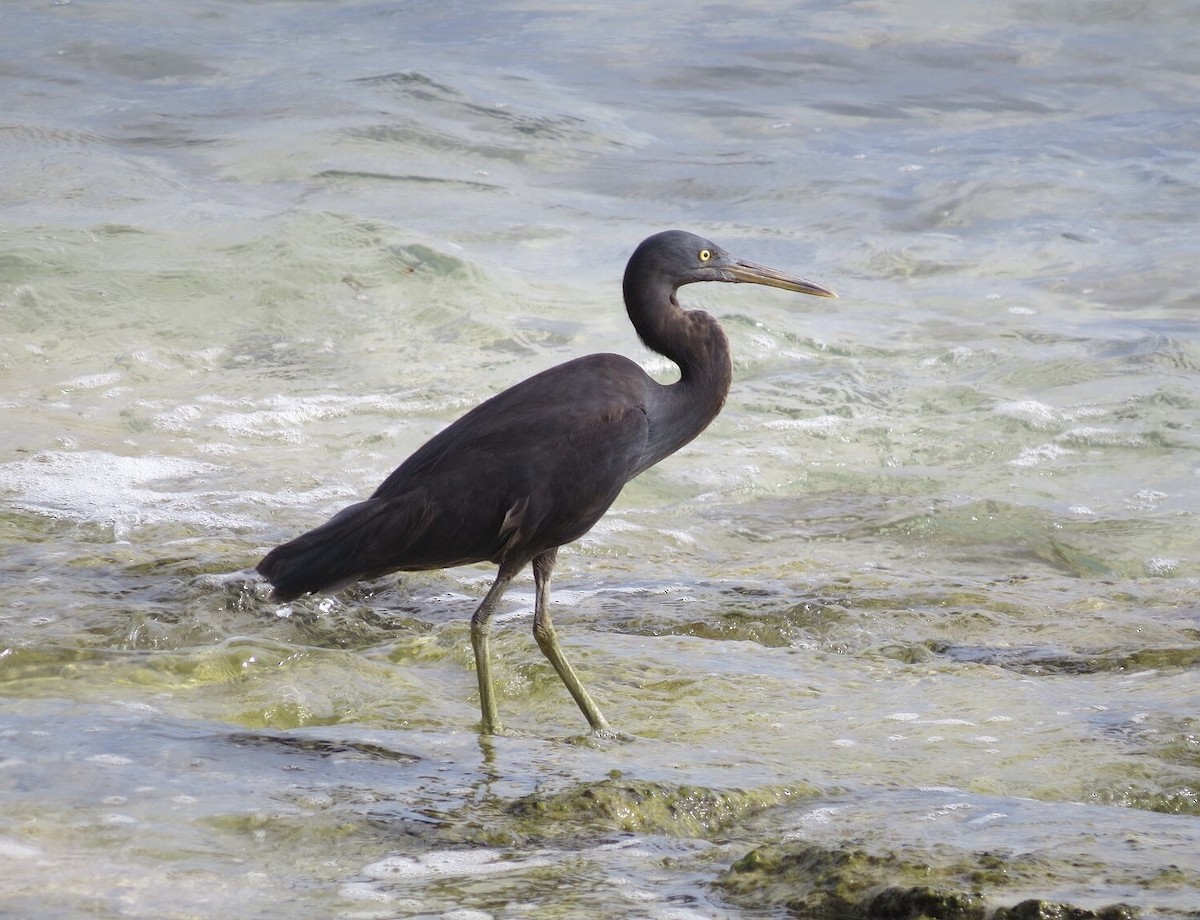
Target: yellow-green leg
[547, 640]
[481, 631]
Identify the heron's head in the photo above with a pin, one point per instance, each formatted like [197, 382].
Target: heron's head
[683, 258]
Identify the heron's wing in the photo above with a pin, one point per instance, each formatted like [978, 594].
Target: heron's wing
[530, 469]
[504, 499]
[526, 425]
[581, 475]
[533, 467]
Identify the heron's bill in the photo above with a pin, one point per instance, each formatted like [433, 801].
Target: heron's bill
[752, 273]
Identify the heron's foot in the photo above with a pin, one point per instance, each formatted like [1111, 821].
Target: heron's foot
[601, 738]
[490, 727]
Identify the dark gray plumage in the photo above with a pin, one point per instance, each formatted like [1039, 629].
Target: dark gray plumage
[537, 465]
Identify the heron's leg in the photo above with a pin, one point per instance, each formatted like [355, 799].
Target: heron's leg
[481, 631]
[543, 632]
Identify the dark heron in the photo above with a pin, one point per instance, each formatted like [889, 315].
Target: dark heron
[537, 465]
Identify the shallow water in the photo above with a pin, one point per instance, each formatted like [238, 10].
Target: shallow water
[927, 588]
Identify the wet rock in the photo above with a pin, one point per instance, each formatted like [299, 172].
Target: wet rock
[845, 884]
[640, 806]
[810, 880]
[1052, 910]
[921, 902]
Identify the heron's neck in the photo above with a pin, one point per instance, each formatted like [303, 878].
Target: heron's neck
[695, 341]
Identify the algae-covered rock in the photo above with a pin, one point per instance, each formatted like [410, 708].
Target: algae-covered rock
[844, 884]
[921, 901]
[814, 881]
[1052, 910]
[641, 806]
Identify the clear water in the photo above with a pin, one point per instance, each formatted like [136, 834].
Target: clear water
[930, 581]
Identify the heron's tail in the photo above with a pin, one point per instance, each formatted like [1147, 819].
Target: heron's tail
[329, 557]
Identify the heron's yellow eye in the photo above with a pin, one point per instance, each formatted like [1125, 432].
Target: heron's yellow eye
[705, 255]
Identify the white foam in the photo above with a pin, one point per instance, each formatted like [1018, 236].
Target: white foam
[1099, 437]
[958, 355]
[818, 817]
[285, 418]
[448, 863]
[91, 381]
[178, 419]
[1145, 499]
[1160, 566]
[1043, 453]
[823, 426]
[122, 491]
[1029, 410]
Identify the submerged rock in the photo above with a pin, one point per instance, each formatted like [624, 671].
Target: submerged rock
[1052, 910]
[641, 806]
[922, 901]
[810, 880]
[844, 884]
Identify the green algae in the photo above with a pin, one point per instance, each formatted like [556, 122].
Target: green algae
[1035, 909]
[841, 884]
[849, 883]
[642, 806]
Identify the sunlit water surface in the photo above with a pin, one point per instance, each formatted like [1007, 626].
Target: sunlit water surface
[927, 586]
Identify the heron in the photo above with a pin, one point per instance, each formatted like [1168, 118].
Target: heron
[537, 465]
